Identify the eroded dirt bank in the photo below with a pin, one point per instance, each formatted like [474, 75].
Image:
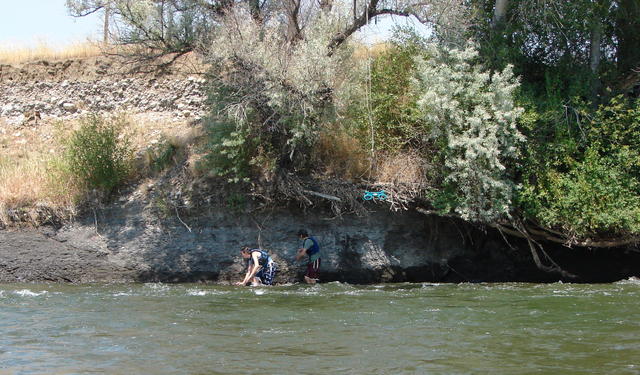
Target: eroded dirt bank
[128, 245]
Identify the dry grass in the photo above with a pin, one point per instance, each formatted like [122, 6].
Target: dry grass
[363, 51]
[31, 182]
[17, 55]
[178, 138]
[341, 155]
[27, 180]
[145, 130]
[405, 168]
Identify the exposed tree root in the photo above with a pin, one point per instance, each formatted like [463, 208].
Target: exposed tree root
[553, 236]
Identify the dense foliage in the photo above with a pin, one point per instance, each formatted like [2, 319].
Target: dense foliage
[578, 63]
[586, 182]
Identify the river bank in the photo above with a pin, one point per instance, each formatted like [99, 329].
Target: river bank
[171, 224]
[121, 242]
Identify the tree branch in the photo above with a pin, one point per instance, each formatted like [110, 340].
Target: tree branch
[325, 196]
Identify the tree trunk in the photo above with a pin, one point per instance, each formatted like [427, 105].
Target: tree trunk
[595, 56]
[293, 25]
[105, 37]
[161, 18]
[256, 13]
[499, 12]
[325, 5]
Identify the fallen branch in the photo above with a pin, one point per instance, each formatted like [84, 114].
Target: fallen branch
[566, 241]
[325, 196]
[522, 232]
[436, 213]
[95, 221]
[554, 268]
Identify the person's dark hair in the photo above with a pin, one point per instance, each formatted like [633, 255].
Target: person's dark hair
[245, 249]
[303, 233]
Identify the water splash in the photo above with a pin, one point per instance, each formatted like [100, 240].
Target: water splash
[200, 292]
[28, 293]
[630, 281]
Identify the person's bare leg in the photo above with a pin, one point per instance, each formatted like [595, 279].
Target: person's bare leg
[309, 280]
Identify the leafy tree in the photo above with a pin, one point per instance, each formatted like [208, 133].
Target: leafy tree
[286, 83]
[589, 186]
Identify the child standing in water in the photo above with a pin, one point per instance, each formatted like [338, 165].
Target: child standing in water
[261, 269]
[311, 248]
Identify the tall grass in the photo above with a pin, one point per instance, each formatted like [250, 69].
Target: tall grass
[43, 51]
[41, 174]
[30, 183]
[339, 154]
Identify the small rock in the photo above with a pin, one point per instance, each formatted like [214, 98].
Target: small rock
[69, 107]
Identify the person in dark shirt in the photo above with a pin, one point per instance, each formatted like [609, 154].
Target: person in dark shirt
[261, 269]
[310, 248]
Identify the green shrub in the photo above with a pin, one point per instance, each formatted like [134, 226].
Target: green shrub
[98, 155]
[237, 145]
[228, 151]
[596, 197]
[586, 182]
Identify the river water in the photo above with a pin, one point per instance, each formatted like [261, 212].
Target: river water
[325, 329]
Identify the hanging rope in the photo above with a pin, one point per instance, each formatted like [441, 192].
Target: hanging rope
[368, 100]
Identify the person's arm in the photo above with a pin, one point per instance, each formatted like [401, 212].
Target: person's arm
[246, 277]
[251, 272]
[301, 253]
[252, 269]
[303, 250]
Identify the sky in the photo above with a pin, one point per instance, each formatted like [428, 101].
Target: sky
[381, 28]
[29, 23]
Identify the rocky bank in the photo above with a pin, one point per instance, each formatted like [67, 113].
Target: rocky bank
[71, 88]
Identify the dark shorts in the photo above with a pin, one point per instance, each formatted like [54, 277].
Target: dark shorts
[313, 269]
[267, 274]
